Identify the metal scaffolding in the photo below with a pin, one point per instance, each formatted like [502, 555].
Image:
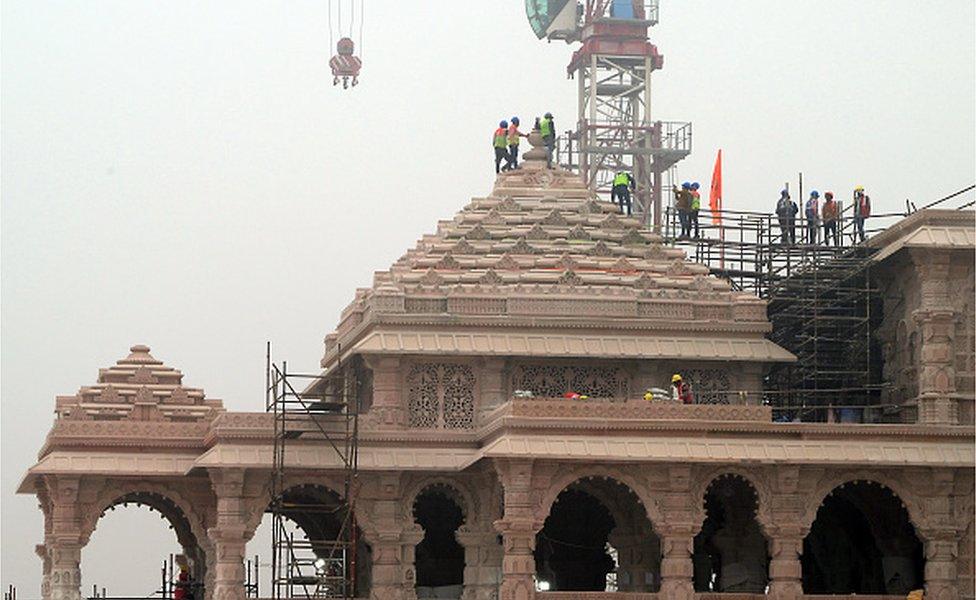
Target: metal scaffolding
[822, 305]
[317, 413]
[614, 128]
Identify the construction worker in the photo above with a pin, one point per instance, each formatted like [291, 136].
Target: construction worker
[681, 390]
[547, 128]
[500, 141]
[695, 207]
[812, 213]
[862, 210]
[682, 204]
[786, 214]
[623, 184]
[513, 142]
[829, 213]
[183, 586]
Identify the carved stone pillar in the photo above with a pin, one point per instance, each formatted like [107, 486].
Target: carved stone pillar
[386, 529]
[683, 518]
[518, 529]
[387, 407]
[785, 570]
[481, 563]
[677, 570]
[411, 536]
[782, 523]
[935, 320]
[229, 536]
[941, 549]
[65, 542]
[42, 552]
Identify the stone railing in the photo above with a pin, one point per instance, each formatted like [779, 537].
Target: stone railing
[598, 408]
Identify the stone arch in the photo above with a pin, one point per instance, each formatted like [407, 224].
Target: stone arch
[764, 494]
[597, 535]
[548, 496]
[437, 511]
[731, 549]
[454, 489]
[867, 527]
[898, 488]
[187, 523]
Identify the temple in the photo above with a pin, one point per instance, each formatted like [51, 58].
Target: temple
[505, 448]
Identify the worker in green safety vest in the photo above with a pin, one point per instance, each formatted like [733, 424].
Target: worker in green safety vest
[547, 128]
[623, 184]
[500, 141]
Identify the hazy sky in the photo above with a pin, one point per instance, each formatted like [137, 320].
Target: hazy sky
[184, 174]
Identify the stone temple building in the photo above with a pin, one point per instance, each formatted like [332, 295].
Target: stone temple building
[478, 478]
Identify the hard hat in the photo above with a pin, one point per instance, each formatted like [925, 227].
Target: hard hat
[515, 120]
[503, 124]
[859, 188]
[686, 186]
[829, 195]
[695, 186]
[814, 194]
[675, 378]
[548, 115]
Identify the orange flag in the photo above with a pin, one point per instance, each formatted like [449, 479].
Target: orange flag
[715, 194]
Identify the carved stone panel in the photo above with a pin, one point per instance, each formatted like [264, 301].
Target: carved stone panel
[440, 395]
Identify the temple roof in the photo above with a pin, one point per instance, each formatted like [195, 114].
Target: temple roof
[137, 387]
[543, 253]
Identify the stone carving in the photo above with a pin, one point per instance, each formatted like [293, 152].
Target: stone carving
[448, 262]
[537, 233]
[570, 278]
[463, 247]
[552, 381]
[507, 263]
[601, 249]
[555, 219]
[522, 247]
[508, 204]
[578, 234]
[478, 233]
[440, 395]
[431, 277]
[493, 217]
[710, 386]
[491, 277]
[612, 223]
[633, 237]
[566, 262]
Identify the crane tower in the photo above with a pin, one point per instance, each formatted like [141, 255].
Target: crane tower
[614, 126]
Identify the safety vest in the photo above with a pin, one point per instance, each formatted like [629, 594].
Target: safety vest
[695, 201]
[545, 127]
[501, 138]
[621, 179]
[513, 135]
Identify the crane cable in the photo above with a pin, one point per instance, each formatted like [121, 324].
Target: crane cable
[331, 42]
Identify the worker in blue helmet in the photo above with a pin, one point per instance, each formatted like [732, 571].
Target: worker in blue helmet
[513, 142]
[693, 212]
[500, 142]
[812, 213]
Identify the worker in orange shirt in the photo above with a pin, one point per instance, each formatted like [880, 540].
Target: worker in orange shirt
[513, 142]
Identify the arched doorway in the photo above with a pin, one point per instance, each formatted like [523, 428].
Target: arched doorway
[128, 569]
[311, 559]
[862, 542]
[731, 553]
[439, 558]
[597, 537]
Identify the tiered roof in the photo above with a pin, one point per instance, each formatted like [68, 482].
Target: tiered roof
[542, 266]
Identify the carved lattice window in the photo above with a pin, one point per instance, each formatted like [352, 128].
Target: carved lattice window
[710, 386]
[552, 381]
[441, 396]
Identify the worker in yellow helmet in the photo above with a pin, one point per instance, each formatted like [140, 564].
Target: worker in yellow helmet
[681, 390]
